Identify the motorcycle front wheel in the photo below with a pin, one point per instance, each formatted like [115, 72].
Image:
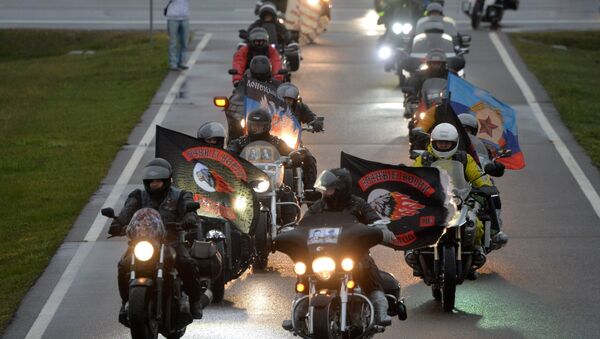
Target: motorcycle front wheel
[322, 322]
[217, 287]
[262, 240]
[449, 285]
[142, 320]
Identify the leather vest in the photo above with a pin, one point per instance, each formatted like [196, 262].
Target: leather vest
[168, 207]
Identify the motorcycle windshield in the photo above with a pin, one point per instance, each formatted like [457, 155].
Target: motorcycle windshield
[146, 223]
[434, 90]
[455, 171]
[425, 42]
[264, 155]
[337, 234]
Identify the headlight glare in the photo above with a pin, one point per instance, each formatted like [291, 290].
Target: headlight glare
[143, 250]
[299, 268]
[262, 186]
[347, 264]
[384, 52]
[397, 28]
[324, 267]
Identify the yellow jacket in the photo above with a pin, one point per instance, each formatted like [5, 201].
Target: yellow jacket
[473, 173]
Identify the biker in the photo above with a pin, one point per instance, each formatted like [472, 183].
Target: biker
[336, 188]
[212, 133]
[436, 67]
[291, 94]
[258, 45]
[267, 19]
[386, 8]
[170, 202]
[444, 144]
[492, 168]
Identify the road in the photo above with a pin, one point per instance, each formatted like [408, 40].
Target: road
[542, 285]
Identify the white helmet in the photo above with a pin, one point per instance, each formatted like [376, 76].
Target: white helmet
[469, 122]
[444, 132]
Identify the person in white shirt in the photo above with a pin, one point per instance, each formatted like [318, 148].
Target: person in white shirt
[178, 27]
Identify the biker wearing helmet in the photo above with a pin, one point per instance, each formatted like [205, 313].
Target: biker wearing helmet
[436, 67]
[267, 19]
[258, 45]
[171, 203]
[258, 125]
[212, 133]
[335, 186]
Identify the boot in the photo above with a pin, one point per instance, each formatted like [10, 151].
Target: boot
[499, 240]
[124, 314]
[196, 309]
[380, 305]
[412, 260]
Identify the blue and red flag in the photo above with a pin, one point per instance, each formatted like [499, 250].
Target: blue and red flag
[497, 120]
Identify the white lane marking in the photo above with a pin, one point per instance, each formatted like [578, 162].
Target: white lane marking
[60, 290]
[582, 180]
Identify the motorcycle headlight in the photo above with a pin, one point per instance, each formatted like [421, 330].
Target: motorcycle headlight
[384, 52]
[407, 28]
[143, 250]
[324, 267]
[262, 186]
[313, 2]
[397, 28]
[347, 264]
[243, 123]
[423, 67]
[299, 268]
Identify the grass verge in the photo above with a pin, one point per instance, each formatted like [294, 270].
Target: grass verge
[568, 66]
[63, 117]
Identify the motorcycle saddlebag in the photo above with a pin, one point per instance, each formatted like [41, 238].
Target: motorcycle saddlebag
[208, 258]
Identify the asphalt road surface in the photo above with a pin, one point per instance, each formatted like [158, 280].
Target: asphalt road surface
[544, 284]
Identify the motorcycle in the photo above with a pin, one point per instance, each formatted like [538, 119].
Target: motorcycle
[157, 303]
[490, 11]
[455, 256]
[395, 42]
[329, 304]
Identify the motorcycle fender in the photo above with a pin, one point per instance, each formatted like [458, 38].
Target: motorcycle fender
[321, 300]
[141, 282]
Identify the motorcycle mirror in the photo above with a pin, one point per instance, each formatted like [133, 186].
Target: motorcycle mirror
[232, 71]
[283, 71]
[243, 34]
[108, 212]
[192, 206]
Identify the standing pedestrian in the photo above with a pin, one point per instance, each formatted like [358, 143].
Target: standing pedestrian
[178, 27]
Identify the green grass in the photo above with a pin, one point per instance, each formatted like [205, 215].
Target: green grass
[571, 77]
[62, 120]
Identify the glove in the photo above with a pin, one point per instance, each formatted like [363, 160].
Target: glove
[317, 125]
[115, 229]
[296, 158]
[189, 220]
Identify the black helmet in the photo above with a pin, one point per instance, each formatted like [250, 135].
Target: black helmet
[267, 8]
[260, 68]
[336, 186]
[212, 130]
[157, 169]
[258, 38]
[258, 122]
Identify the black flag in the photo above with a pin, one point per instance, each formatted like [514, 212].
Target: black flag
[412, 198]
[218, 179]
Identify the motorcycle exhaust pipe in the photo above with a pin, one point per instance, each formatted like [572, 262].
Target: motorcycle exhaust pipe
[206, 298]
